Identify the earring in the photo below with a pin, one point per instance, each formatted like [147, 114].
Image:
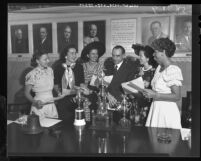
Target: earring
[65, 57]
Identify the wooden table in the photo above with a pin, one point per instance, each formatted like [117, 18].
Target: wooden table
[139, 141]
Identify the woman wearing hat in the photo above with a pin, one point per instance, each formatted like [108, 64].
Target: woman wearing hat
[90, 56]
[147, 70]
[68, 74]
[92, 68]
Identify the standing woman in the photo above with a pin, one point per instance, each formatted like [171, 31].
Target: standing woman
[146, 71]
[147, 62]
[166, 88]
[41, 81]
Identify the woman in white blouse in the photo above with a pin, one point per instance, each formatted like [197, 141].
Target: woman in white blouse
[166, 88]
[41, 81]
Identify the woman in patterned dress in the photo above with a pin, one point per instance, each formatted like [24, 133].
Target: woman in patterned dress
[146, 71]
[92, 68]
[166, 88]
[41, 81]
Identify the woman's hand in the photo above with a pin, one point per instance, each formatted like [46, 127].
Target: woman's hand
[82, 85]
[85, 90]
[148, 93]
[38, 104]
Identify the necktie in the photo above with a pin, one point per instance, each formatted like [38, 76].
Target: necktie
[115, 68]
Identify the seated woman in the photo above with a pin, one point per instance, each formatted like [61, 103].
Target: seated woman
[166, 87]
[147, 70]
[92, 68]
[41, 81]
[67, 75]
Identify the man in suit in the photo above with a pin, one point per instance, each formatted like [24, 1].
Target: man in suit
[124, 71]
[20, 44]
[66, 40]
[156, 30]
[184, 40]
[92, 35]
[44, 42]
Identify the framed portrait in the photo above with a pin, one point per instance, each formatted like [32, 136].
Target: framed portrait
[19, 39]
[94, 31]
[42, 37]
[183, 33]
[154, 27]
[67, 33]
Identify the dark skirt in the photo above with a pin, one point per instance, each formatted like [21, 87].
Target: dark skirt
[66, 108]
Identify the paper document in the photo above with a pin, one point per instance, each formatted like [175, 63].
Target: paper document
[44, 122]
[133, 86]
[185, 133]
[52, 100]
[47, 122]
[9, 122]
[108, 79]
[93, 79]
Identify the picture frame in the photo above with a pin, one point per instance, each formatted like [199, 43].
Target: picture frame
[183, 33]
[19, 39]
[67, 33]
[98, 31]
[151, 26]
[46, 43]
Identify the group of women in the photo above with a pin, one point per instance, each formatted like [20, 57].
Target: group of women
[162, 80]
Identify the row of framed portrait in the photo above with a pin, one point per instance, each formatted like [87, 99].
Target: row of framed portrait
[67, 32]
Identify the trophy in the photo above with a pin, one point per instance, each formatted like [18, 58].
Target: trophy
[102, 97]
[79, 112]
[125, 106]
[79, 130]
[101, 117]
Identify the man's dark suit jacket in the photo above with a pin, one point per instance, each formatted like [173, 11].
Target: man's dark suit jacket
[127, 72]
[45, 46]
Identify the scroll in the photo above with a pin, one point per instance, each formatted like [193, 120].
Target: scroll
[52, 100]
[133, 86]
[108, 79]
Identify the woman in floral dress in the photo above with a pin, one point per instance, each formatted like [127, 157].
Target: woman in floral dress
[41, 81]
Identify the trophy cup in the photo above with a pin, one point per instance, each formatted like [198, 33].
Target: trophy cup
[79, 112]
[79, 130]
[100, 119]
[124, 107]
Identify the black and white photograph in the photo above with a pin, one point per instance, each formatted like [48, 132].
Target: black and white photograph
[42, 37]
[67, 33]
[94, 31]
[19, 39]
[103, 80]
[154, 28]
[183, 33]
